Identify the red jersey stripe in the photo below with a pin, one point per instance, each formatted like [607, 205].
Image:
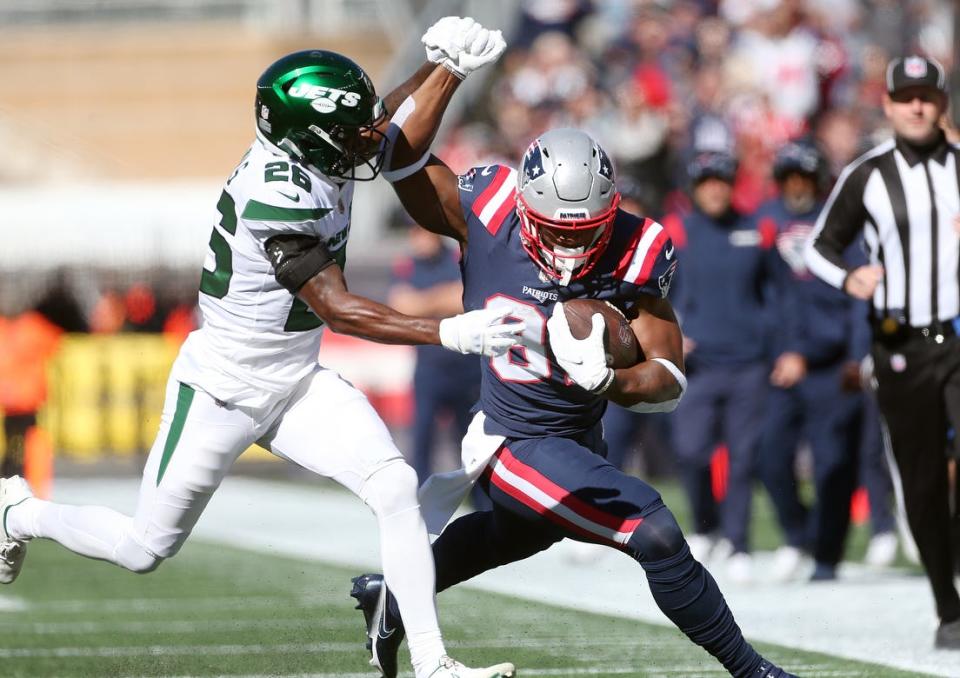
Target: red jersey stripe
[562, 496]
[624, 264]
[496, 221]
[651, 257]
[502, 173]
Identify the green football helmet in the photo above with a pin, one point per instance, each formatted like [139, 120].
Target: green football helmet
[321, 108]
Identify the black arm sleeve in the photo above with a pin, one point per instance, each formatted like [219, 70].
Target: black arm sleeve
[297, 258]
[843, 216]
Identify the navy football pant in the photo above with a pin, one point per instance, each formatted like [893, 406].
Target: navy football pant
[830, 421]
[545, 489]
[721, 404]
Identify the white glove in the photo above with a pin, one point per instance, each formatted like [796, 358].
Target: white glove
[585, 360]
[483, 331]
[440, 38]
[462, 45]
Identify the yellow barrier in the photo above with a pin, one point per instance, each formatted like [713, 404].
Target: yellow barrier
[106, 395]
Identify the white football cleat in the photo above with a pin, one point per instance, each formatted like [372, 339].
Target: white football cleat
[788, 563]
[13, 491]
[882, 550]
[450, 668]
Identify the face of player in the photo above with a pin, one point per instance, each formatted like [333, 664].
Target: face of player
[799, 192]
[568, 240]
[915, 113]
[713, 196]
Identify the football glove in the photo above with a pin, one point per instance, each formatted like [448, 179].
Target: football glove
[461, 45]
[483, 331]
[585, 360]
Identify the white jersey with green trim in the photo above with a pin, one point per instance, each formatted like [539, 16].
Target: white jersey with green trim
[258, 340]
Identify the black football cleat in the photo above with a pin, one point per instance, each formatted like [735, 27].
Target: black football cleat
[948, 636]
[768, 670]
[384, 630]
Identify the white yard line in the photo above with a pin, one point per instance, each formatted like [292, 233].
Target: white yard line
[11, 604]
[885, 618]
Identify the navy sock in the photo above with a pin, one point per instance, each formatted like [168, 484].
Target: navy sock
[689, 596]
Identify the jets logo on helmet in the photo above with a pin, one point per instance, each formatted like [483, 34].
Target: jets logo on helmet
[321, 109]
[566, 202]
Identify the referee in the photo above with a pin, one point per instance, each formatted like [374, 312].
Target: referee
[904, 195]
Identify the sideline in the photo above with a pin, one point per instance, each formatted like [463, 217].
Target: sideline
[883, 617]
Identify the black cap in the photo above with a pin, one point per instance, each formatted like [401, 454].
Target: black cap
[707, 164]
[915, 71]
[797, 156]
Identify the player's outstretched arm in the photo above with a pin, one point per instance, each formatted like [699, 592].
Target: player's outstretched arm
[656, 384]
[304, 266]
[425, 186]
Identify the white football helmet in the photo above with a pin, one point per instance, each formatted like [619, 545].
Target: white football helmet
[567, 202]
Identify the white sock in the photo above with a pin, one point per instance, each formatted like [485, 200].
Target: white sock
[407, 559]
[409, 572]
[92, 531]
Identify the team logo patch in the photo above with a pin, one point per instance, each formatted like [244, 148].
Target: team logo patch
[324, 99]
[532, 166]
[465, 181]
[666, 279]
[915, 67]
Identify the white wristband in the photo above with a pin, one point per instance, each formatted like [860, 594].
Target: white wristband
[666, 405]
[395, 175]
[675, 371]
[391, 174]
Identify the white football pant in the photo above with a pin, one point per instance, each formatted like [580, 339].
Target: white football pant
[326, 425]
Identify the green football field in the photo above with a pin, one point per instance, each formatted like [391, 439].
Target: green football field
[216, 610]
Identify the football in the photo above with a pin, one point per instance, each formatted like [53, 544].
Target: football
[623, 349]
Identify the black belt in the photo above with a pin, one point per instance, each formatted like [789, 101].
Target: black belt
[889, 330]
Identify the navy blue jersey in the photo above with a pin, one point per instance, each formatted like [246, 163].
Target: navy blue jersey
[723, 293]
[833, 325]
[525, 393]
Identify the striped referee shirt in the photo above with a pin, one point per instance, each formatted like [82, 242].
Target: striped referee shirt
[905, 200]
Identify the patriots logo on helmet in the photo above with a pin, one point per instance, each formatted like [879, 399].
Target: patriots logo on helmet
[606, 167]
[532, 164]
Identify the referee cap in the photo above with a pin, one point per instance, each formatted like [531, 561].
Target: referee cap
[915, 71]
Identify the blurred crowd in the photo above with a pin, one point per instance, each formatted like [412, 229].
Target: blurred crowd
[655, 80]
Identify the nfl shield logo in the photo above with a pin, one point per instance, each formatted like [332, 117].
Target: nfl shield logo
[915, 67]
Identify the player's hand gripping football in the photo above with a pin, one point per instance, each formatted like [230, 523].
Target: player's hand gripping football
[462, 45]
[483, 331]
[585, 360]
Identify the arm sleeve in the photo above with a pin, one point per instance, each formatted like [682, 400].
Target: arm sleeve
[839, 223]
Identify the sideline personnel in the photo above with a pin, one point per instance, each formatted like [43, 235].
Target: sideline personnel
[904, 196]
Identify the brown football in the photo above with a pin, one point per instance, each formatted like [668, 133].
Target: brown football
[623, 349]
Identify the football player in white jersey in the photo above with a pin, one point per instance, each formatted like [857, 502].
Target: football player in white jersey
[272, 280]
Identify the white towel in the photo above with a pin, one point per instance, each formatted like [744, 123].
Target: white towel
[441, 494]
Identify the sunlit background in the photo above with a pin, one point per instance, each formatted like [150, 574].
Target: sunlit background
[119, 120]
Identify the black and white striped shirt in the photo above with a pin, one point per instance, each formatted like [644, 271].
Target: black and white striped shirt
[905, 201]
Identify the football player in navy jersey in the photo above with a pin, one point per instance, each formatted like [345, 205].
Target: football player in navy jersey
[531, 239]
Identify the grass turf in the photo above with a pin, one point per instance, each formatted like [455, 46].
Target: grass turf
[215, 610]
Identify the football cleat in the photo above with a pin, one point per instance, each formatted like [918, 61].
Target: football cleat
[768, 670]
[13, 491]
[384, 630]
[450, 668]
[948, 636]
